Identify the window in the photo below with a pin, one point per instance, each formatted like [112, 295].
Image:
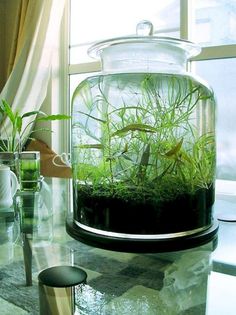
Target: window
[221, 74]
[117, 18]
[212, 23]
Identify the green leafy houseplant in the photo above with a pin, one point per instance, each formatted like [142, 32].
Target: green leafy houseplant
[15, 139]
[138, 149]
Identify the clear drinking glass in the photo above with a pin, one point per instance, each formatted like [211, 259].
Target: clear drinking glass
[29, 170]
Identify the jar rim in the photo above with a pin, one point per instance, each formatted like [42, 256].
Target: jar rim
[191, 49]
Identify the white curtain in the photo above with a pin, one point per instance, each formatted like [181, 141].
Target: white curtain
[26, 86]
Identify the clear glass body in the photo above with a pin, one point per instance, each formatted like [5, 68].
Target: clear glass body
[143, 147]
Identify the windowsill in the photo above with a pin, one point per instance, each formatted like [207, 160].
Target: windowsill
[225, 206]
[224, 256]
[226, 187]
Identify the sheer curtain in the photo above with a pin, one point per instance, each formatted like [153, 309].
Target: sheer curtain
[36, 30]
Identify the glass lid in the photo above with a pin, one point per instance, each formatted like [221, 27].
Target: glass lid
[144, 35]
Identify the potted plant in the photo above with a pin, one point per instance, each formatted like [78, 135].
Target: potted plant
[16, 139]
[26, 165]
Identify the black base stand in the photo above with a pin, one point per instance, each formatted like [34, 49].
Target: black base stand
[142, 245]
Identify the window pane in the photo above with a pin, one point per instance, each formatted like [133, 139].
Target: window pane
[98, 20]
[75, 79]
[221, 75]
[215, 22]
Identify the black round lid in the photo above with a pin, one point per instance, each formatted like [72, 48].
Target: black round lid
[62, 276]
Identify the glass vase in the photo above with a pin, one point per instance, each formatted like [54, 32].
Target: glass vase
[143, 143]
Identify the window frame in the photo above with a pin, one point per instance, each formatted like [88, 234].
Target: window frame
[186, 21]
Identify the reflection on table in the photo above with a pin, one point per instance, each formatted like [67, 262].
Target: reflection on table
[36, 225]
[9, 235]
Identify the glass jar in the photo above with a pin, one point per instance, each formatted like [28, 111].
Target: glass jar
[143, 144]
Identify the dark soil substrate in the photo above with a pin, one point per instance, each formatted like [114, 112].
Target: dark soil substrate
[187, 212]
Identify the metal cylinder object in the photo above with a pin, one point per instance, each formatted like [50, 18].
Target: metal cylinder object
[56, 289]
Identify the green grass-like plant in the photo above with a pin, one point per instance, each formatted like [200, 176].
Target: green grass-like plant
[149, 140]
[17, 137]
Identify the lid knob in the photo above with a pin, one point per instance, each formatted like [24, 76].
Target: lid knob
[144, 28]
